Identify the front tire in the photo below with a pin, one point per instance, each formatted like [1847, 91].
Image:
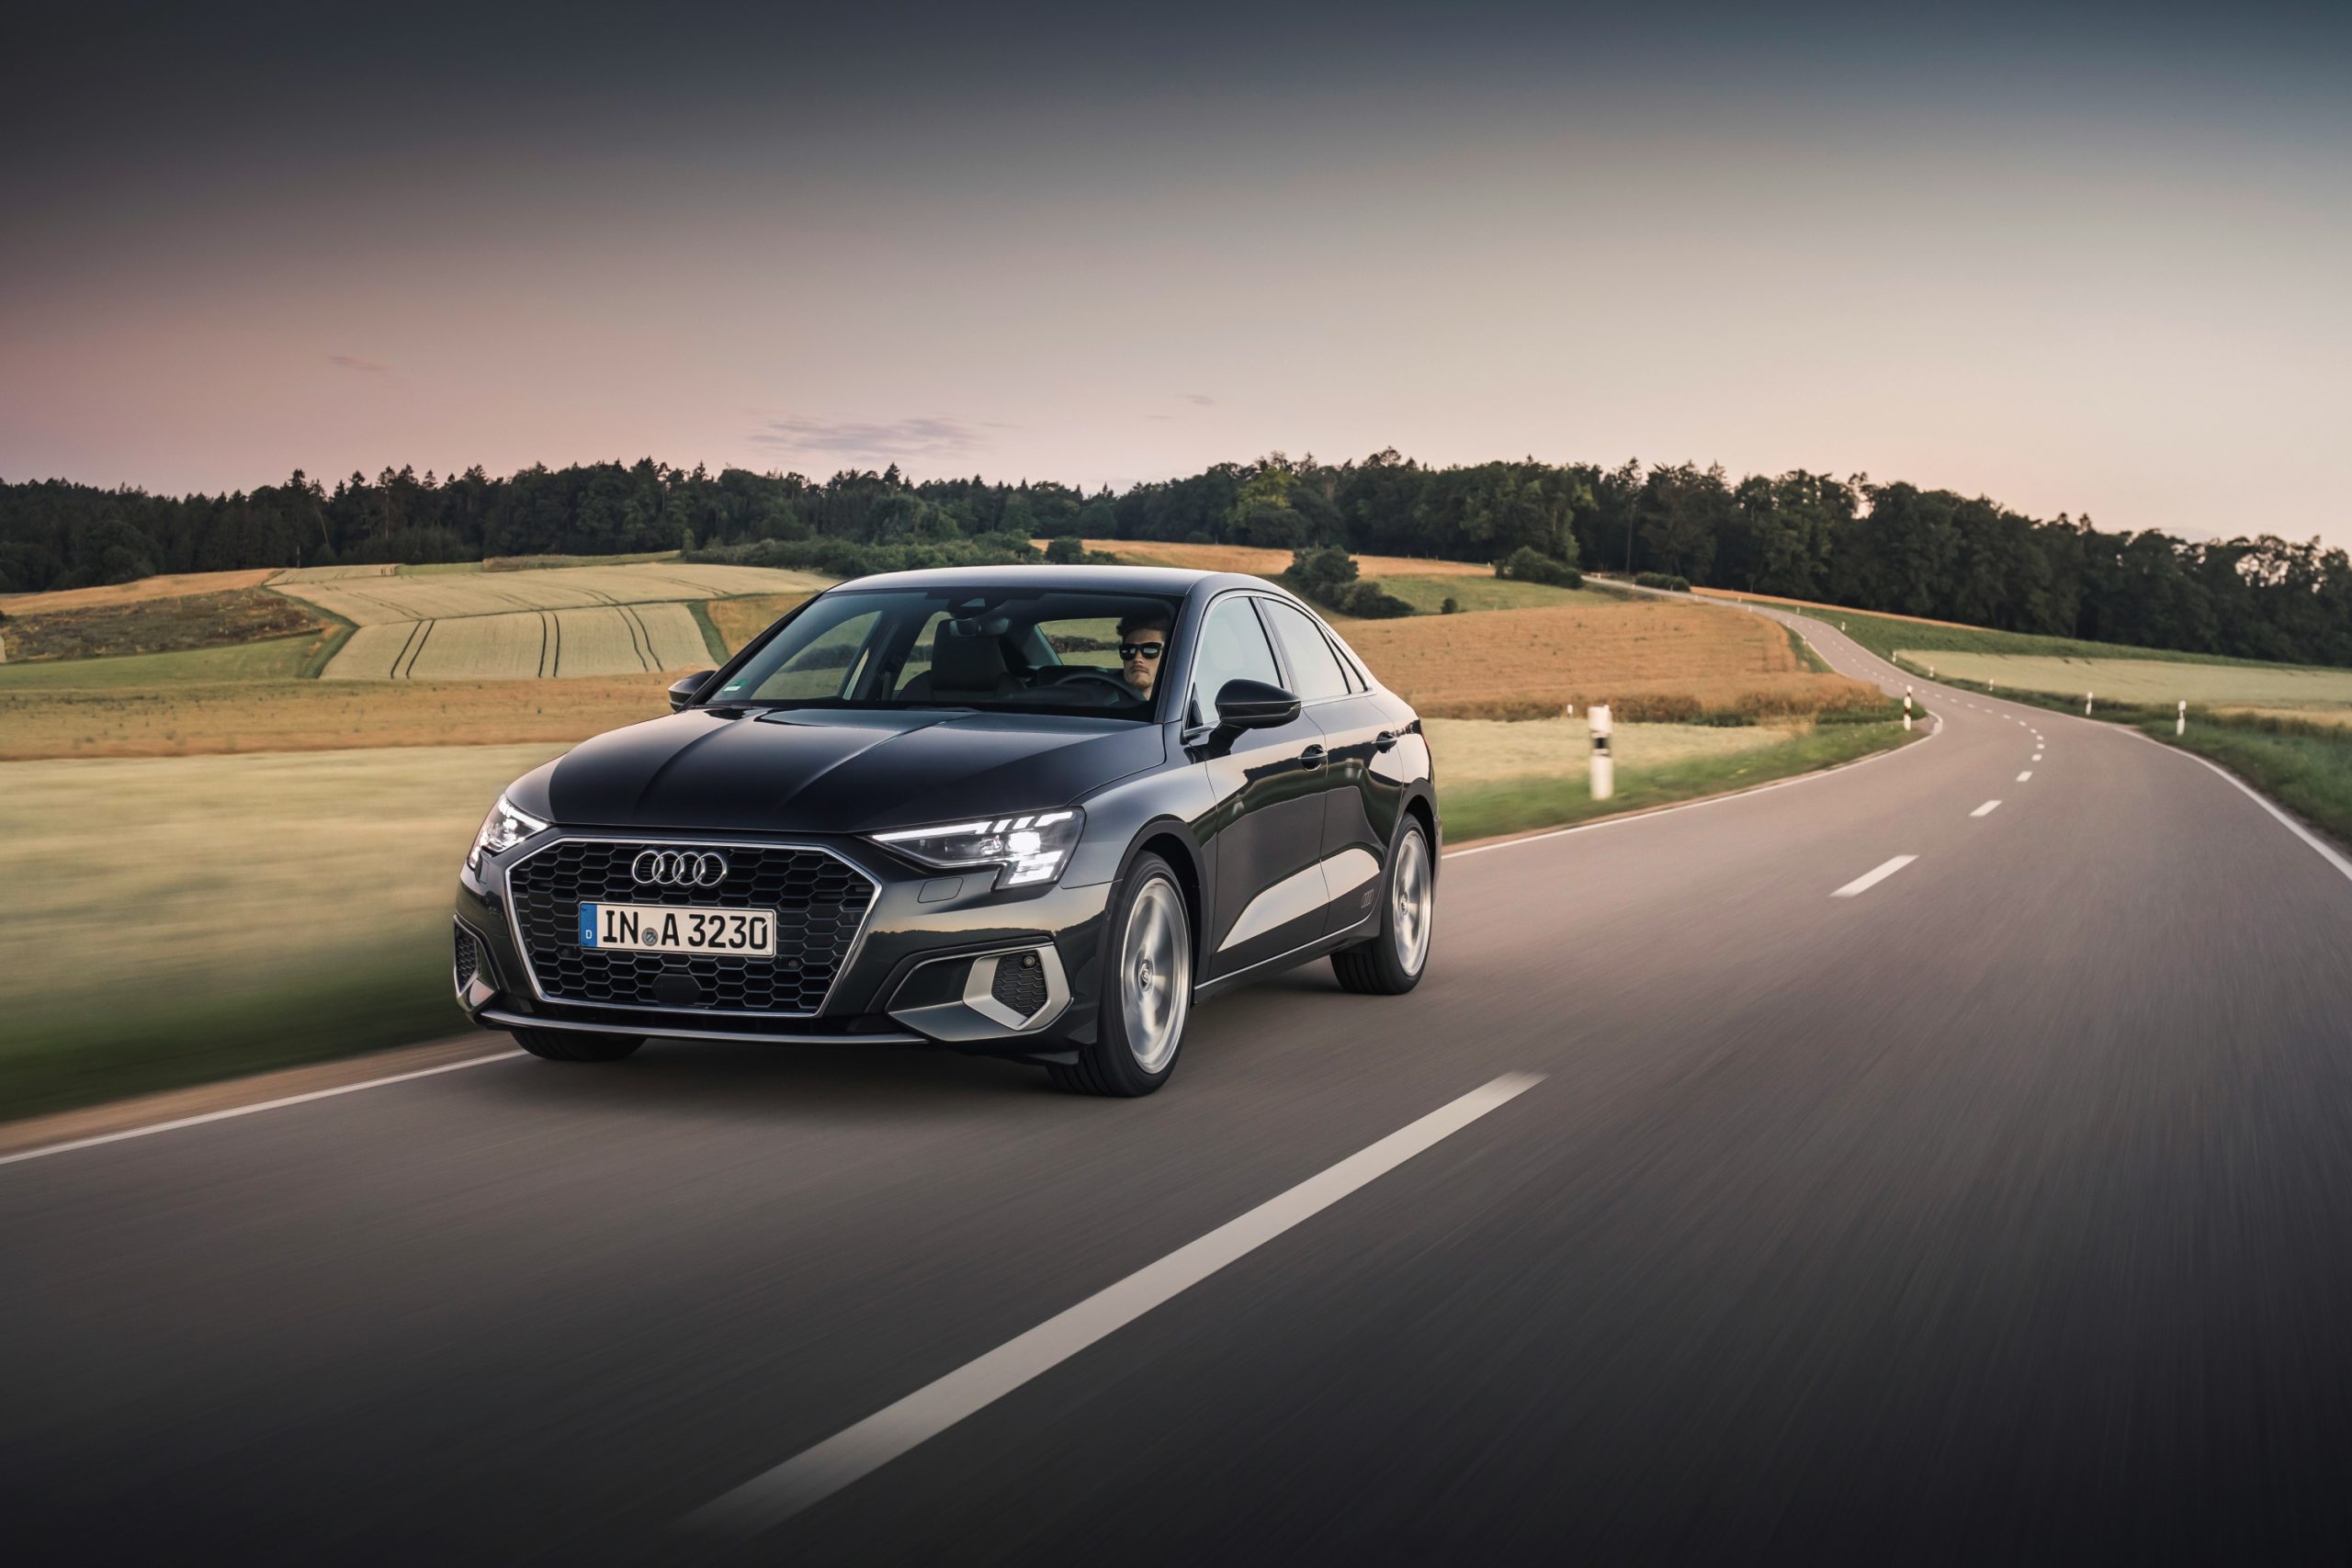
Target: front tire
[564, 1046]
[1146, 989]
[1392, 961]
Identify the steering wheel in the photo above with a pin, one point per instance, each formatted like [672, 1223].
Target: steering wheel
[1070, 674]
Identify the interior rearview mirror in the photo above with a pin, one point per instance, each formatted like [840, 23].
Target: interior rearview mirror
[683, 691]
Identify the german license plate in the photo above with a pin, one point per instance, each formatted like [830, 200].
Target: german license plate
[656, 928]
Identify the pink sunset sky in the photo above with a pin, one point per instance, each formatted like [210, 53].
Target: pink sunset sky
[2086, 270]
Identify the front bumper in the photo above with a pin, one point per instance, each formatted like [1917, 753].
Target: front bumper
[938, 958]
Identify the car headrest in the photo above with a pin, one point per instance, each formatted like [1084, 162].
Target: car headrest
[967, 657]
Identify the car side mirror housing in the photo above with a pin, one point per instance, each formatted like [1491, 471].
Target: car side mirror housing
[684, 691]
[1252, 705]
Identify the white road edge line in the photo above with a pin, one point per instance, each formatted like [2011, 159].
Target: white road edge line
[769, 1498]
[249, 1110]
[1987, 810]
[2320, 846]
[1871, 879]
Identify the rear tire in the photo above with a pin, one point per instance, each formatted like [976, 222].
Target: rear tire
[1146, 989]
[564, 1046]
[1392, 961]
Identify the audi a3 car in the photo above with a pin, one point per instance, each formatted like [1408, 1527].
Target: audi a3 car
[1038, 812]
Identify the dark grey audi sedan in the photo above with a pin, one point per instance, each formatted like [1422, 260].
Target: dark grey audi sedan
[1033, 811]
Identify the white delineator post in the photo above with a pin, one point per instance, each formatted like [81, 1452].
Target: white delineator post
[1906, 707]
[2087, 704]
[2180, 720]
[1604, 766]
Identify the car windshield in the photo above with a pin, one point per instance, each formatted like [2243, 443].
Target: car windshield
[1026, 651]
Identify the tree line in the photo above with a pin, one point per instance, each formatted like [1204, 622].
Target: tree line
[1889, 547]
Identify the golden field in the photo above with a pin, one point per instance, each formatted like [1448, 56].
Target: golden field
[434, 597]
[190, 719]
[1660, 661]
[524, 645]
[139, 592]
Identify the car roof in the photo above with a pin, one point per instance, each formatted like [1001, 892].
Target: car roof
[1173, 581]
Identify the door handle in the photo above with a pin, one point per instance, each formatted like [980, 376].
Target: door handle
[1311, 758]
[1387, 739]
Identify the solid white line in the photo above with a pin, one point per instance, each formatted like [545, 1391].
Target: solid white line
[2025, 775]
[775, 1496]
[2325, 851]
[250, 1110]
[1871, 879]
[1987, 810]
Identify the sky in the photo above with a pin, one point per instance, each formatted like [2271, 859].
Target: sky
[2092, 260]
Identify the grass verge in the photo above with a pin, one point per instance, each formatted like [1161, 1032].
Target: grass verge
[712, 642]
[2305, 767]
[149, 1041]
[1483, 811]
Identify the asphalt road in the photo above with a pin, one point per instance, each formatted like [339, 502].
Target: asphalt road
[1999, 1212]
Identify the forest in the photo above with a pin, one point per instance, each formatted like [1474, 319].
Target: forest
[1888, 546]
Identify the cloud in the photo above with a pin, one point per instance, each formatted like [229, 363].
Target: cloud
[353, 362]
[1198, 400]
[922, 436]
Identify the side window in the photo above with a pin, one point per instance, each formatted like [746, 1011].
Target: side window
[1313, 665]
[1233, 647]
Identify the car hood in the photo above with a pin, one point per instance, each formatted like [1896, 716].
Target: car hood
[815, 772]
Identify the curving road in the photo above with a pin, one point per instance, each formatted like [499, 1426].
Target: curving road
[1996, 1209]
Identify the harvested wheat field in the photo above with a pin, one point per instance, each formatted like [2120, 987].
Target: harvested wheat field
[146, 588]
[1268, 563]
[199, 719]
[1650, 661]
[375, 601]
[614, 640]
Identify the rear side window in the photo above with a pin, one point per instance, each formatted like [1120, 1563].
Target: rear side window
[1233, 647]
[1313, 665]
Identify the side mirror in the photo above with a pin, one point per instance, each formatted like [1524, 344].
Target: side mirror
[684, 691]
[1253, 705]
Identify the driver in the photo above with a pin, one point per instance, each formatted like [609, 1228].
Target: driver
[1143, 641]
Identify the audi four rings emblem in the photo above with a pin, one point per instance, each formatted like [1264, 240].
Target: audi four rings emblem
[679, 868]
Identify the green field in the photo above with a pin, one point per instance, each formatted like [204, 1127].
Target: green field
[1884, 634]
[1427, 594]
[279, 658]
[2147, 681]
[1482, 809]
[175, 919]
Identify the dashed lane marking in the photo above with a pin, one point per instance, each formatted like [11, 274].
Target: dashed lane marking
[1872, 877]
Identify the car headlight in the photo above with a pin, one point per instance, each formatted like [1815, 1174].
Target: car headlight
[500, 830]
[1032, 848]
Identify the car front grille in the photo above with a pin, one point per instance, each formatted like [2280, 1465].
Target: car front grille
[820, 900]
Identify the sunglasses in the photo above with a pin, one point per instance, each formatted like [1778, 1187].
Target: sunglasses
[1142, 649]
